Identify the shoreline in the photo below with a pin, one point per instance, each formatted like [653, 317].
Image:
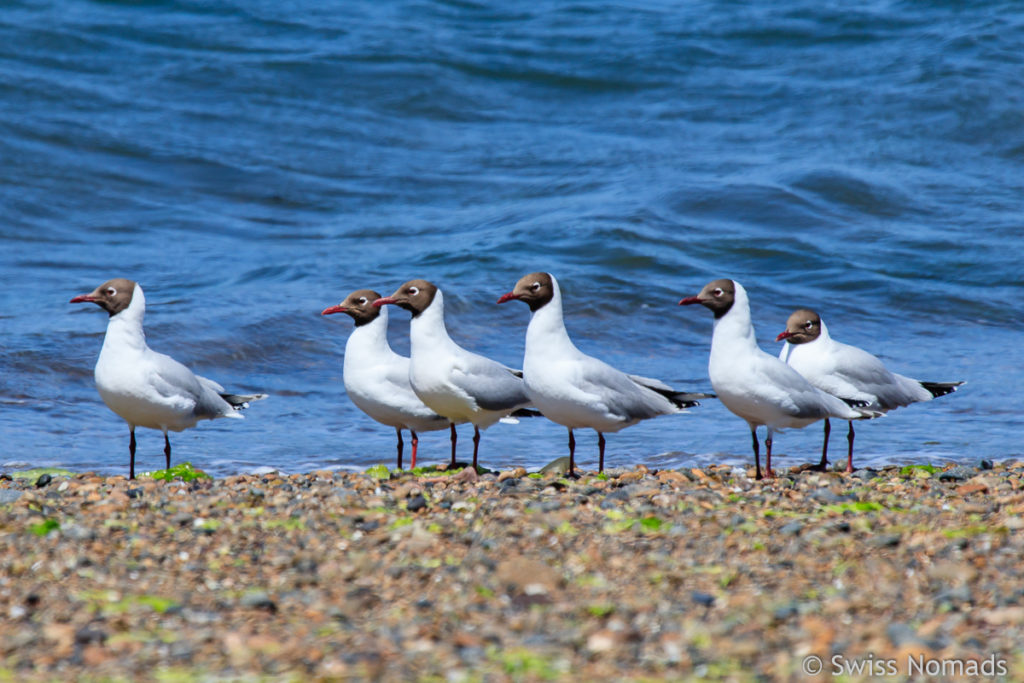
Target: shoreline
[637, 574]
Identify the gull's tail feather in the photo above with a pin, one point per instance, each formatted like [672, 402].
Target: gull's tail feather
[525, 412]
[241, 401]
[681, 399]
[940, 388]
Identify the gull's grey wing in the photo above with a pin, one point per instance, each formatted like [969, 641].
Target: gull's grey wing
[492, 385]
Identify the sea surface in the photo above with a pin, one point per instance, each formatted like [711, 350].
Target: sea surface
[250, 163]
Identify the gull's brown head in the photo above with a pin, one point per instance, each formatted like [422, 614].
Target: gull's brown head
[414, 296]
[113, 296]
[804, 325]
[359, 305]
[535, 290]
[717, 295]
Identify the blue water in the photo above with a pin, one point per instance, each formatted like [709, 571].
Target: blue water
[250, 163]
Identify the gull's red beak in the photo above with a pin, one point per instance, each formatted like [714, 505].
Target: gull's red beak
[383, 301]
[784, 335]
[83, 298]
[690, 300]
[334, 309]
[508, 297]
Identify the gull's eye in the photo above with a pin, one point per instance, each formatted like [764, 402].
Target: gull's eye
[809, 324]
[413, 291]
[718, 291]
[535, 286]
[111, 291]
[362, 300]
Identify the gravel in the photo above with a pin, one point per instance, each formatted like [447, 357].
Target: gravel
[637, 574]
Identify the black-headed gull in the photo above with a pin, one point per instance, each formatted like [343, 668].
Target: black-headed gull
[453, 382]
[576, 390]
[754, 385]
[376, 378]
[143, 387]
[848, 372]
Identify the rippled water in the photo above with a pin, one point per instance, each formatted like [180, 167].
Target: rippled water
[251, 163]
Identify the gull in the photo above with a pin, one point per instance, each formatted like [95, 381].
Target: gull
[754, 385]
[143, 387]
[377, 378]
[460, 385]
[848, 372]
[579, 391]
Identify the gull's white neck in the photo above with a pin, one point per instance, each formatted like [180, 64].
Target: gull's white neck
[124, 330]
[733, 332]
[427, 332]
[371, 338]
[546, 333]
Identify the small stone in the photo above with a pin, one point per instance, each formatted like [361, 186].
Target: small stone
[43, 480]
[517, 473]
[792, 529]
[1003, 616]
[557, 466]
[672, 477]
[955, 596]
[134, 493]
[259, 600]
[958, 473]
[466, 476]
[885, 540]
[407, 491]
[9, 496]
[785, 612]
[528, 576]
[416, 503]
[702, 599]
[986, 464]
[77, 532]
[828, 497]
[901, 634]
[603, 640]
[90, 634]
[182, 519]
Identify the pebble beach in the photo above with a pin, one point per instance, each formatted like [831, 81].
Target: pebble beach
[634, 574]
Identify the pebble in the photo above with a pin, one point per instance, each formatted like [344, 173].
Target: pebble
[259, 600]
[9, 496]
[958, 473]
[702, 599]
[885, 540]
[556, 466]
[901, 634]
